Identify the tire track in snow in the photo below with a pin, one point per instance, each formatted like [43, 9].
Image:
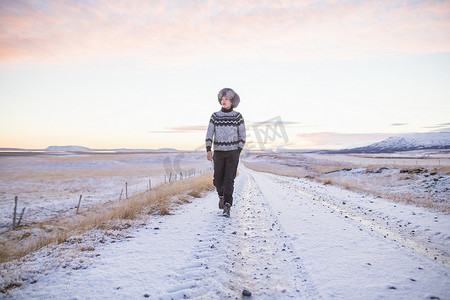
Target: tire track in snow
[209, 275]
[247, 251]
[397, 230]
[343, 257]
[265, 262]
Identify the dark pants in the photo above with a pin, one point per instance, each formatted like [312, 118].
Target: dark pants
[225, 167]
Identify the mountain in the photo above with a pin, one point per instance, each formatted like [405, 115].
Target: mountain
[167, 150]
[142, 150]
[122, 150]
[11, 149]
[67, 148]
[407, 142]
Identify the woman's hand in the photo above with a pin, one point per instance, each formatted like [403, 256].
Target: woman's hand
[209, 155]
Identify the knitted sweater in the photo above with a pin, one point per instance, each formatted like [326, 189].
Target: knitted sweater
[227, 129]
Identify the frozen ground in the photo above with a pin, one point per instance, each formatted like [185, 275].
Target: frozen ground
[416, 177]
[50, 185]
[287, 238]
[429, 158]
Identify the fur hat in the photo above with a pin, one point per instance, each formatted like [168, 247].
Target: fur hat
[230, 94]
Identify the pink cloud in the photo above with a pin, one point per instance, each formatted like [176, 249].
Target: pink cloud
[182, 129]
[185, 30]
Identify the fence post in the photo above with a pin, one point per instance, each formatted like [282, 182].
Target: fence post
[15, 212]
[149, 184]
[79, 202]
[121, 192]
[126, 190]
[20, 218]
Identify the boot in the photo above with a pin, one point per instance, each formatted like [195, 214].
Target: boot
[221, 201]
[226, 209]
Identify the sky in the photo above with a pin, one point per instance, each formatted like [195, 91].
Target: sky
[312, 74]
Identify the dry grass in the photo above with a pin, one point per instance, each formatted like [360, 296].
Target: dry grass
[372, 186]
[159, 200]
[133, 170]
[90, 166]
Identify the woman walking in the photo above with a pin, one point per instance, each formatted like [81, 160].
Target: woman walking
[226, 131]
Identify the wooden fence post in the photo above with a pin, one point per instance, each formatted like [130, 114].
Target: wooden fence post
[126, 190]
[15, 212]
[20, 218]
[79, 202]
[121, 192]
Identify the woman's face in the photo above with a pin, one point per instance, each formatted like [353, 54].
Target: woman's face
[226, 103]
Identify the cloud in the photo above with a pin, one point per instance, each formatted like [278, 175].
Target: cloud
[399, 124]
[438, 125]
[443, 127]
[275, 120]
[181, 129]
[188, 30]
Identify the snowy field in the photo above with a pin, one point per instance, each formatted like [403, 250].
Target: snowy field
[287, 238]
[49, 186]
[417, 177]
[429, 158]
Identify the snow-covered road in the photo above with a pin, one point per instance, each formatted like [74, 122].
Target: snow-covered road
[286, 239]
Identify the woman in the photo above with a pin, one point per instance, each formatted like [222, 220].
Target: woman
[226, 131]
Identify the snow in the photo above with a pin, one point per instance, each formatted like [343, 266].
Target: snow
[347, 245]
[287, 238]
[50, 185]
[412, 141]
[428, 139]
[67, 148]
[422, 181]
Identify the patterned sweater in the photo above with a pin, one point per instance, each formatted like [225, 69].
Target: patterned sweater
[227, 129]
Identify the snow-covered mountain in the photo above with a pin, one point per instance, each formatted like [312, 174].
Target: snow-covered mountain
[73, 148]
[67, 148]
[407, 142]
